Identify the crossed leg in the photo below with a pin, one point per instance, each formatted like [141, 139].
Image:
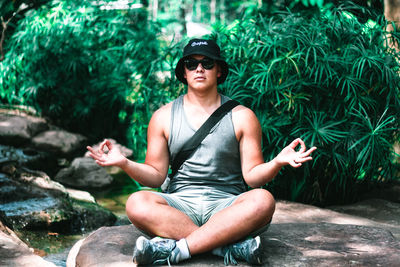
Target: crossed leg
[249, 212]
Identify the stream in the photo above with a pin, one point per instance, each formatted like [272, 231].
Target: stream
[54, 247]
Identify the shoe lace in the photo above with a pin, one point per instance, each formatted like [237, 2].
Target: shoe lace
[238, 251]
[242, 251]
[162, 261]
[229, 259]
[160, 246]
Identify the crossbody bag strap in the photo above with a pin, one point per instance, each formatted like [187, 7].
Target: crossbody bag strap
[190, 146]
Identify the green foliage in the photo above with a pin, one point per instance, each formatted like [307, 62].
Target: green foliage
[328, 79]
[77, 65]
[148, 95]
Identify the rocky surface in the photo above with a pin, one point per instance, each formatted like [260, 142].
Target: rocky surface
[27, 157]
[15, 253]
[32, 201]
[59, 142]
[94, 175]
[325, 244]
[19, 129]
[32, 152]
[290, 212]
[300, 235]
[383, 213]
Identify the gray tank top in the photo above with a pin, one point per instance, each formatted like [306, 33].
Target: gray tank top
[215, 163]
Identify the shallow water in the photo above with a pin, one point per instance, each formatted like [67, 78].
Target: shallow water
[51, 246]
[26, 206]
[54, 247]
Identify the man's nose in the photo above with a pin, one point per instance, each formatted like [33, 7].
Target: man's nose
[199, 68]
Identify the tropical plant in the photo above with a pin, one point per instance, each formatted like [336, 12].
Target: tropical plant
[332, 81]
[77, 63]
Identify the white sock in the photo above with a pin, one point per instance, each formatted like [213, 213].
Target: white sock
[184, 252]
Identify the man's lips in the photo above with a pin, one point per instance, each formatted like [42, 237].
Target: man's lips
[200, 78]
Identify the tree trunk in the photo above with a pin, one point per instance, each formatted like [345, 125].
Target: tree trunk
[155, 9]
[182, 17]
[392, 14]
[198, 10]
[4, 25]
[213, 6]
[222, 11]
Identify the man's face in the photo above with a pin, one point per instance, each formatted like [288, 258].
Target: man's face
[202, 76]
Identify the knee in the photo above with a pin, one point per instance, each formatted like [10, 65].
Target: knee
[137, 206]
[263, 203]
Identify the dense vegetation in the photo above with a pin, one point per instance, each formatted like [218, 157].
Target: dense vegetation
[81, 66]
[329, 79]
[327, 76]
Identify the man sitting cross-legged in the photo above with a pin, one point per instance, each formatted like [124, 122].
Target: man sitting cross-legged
[207, 206]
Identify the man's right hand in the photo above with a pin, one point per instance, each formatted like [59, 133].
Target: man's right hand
[113, 157]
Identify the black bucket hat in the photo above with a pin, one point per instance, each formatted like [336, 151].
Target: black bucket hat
[207, 48]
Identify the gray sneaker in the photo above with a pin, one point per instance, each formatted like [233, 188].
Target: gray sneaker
[249, 250]
[156, 251]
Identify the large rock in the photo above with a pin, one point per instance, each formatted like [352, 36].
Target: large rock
[32, 201]
[378, 210]
[300, 235]
[292, 244]
[84, 173]
[15, 253]
[17, 130]
[325, 244]
[27, 157]
[60, 142]
[289, 212]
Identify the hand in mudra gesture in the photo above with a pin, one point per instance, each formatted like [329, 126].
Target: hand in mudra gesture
[107, 155]
[294, 158]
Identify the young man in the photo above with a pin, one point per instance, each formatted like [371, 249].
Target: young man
[207, 206]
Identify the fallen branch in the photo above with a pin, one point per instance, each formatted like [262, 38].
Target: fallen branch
[4, 25]
[3, 33]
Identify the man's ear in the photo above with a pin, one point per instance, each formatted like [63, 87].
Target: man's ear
[219, 73]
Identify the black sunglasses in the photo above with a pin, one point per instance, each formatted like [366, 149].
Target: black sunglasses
[207, 63]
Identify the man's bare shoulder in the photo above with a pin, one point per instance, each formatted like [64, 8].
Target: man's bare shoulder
[244, 121]
[163, 111]
[242, 113]
[160, 120]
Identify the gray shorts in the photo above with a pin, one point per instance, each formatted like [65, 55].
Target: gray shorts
[201, 204]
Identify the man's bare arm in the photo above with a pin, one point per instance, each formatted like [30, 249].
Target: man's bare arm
[153, 171]
[256, 172]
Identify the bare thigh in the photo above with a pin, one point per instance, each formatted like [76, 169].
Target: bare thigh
[152, 214]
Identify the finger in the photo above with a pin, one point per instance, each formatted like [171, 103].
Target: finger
[302, 160]
[103, 163]
[308, 152]
[294, 164]
[99, 162]
[109, 145]
[105, 143]
[302, 145]
[94, 156]
[294, 143]
[91, 150]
